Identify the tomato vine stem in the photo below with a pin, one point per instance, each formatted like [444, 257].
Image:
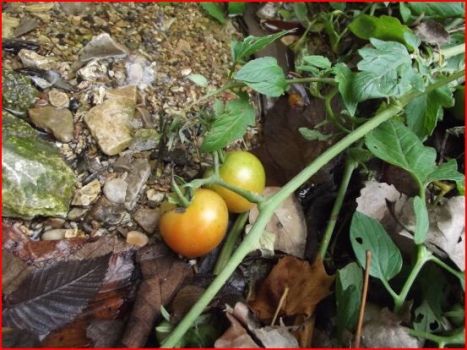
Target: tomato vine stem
[270, 204]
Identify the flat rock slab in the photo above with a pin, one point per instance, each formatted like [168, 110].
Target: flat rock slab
[36, 180]
[110, 124]
[102, 46]
[58, 121]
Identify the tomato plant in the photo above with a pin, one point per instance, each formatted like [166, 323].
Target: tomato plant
[197, 229]
[244, 170]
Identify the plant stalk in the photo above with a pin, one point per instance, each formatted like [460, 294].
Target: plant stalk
[229, 244]
[350, 166]
[423, 255]
[267, 207]
[456, 338]
[311, 80]
[250, 196]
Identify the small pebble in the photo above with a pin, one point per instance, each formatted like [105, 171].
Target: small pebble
[87, 194]
[52, 235]
[155, 196]
[58, 98]
[137, 238]
[115, 190]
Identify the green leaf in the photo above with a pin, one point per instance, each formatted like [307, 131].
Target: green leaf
[385, 71]
[230, 125]
[424, 112]
[348, 294]
[359, 155]
[198, 79]
[215, 10]
[384, 28]
[437, 9]
[344, 79]
[313, 135]
[301, 12]
[236, 8]
[264, 76]
[313, 64]
[429, 314]
[404, 11]
[422, 222]
[445, 171]
[367, 233]
[252, 44]
[396, 144]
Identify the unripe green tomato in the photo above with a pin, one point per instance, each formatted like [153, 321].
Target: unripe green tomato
[244, 170]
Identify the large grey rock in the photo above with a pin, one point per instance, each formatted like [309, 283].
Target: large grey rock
[58, 121]
[36, 180]
[110, 124]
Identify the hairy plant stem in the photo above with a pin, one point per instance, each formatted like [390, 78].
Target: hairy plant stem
[311, 80]
[350, 166]
[181, 197]
[229, 244]
[268, 206]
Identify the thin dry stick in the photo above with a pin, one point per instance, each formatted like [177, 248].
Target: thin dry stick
[279, 306]
[358, 335]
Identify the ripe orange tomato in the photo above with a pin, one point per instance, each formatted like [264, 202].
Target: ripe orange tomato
[243, 170]
[197, 229]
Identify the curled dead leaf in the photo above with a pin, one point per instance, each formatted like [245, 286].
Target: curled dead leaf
[287, 226]
[307, 285]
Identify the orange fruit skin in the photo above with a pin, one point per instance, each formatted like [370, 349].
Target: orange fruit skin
[196, 230]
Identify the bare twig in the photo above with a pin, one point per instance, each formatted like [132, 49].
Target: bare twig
[361, 314]
[279, 306]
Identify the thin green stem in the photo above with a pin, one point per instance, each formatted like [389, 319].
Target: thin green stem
[266, 210]
[250, 196]
[389, 289]
[311, 80]
[440, 263]
[423, 255]
[204, 98]
[181, 197]
[348, 170]
[455, 338]
[229, 244]
[327, 104]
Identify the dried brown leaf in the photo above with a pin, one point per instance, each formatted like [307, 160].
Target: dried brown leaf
[183, 301]
[236, 336]
[308, 285]
[287, 224]
[163, 273]
[14, 271]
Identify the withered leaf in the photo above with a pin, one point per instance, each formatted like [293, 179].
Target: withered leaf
[163, 273]
[184, 300]
[307, 285]
[14, 271]
[18, 338]
[287, 225]
[236, 336]
[59, 294]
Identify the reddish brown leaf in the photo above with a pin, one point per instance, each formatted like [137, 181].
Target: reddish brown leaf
[163, 274]
[183, 301]
[308, 285]
[14, 271]
[236, 336]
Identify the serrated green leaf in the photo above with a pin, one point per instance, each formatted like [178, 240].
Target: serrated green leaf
[385, 71]
[348, 294]
[252, 44]
[437, 9]
[384, 28]
[367, 233]
[198, 79]
[230, 125]
[264, 76]
[344, 79]
[396, 144]
[422, 222]
[215, 10]
[313, 135]
[424, 112]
